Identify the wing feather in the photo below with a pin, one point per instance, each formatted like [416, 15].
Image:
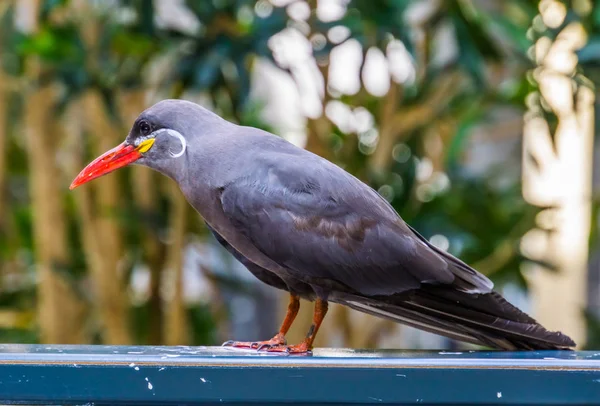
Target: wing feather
[327, 224]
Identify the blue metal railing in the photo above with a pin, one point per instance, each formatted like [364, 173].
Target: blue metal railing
[207, 375]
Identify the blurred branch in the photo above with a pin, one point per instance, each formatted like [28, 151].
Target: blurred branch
[497, 259]
[4, 6]
[378, 329]
[408, 119]
[341, 322]
[390, 130]
[224, 25]
[319, 129]
[16, 319]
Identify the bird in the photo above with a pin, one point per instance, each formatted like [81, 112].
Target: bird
[302, 224]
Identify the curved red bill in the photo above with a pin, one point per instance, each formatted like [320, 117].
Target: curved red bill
[116, 158]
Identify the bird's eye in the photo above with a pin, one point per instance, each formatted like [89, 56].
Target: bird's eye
[145, 128]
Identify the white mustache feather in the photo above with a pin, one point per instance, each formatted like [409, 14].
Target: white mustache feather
[176, 134]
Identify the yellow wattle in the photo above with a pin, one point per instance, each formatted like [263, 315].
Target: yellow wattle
[145, 145]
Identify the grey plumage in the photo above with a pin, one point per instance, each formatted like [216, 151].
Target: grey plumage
[302, 224]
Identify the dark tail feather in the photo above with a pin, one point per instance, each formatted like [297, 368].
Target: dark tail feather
[483, 319]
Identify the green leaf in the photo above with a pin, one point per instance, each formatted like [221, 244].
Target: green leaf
[208, 64]
[459, 141]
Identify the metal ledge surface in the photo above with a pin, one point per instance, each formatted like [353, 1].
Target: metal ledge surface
[212, 375]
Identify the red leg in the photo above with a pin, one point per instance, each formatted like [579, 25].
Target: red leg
[279, 338]
[306, 345]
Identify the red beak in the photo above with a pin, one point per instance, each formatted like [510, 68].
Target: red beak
[116, 158]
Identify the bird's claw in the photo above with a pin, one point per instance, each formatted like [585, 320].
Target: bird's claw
[276, 344]
[237, 344]
[256, 345]
[264, 346]
[301, 348]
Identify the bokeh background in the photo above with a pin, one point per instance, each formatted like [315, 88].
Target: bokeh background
[474, 118]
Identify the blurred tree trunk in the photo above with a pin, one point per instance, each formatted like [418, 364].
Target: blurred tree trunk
[60, 311]
[4, 86]
[3, 145]
[557, 173]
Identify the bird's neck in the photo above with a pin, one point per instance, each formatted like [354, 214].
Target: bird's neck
[207, 170]
[174, 169]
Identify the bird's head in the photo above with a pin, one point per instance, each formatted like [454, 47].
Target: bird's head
[160, 138]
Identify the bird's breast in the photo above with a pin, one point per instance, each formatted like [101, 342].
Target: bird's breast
[208, 205]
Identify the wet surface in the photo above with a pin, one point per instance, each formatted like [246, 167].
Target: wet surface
[188, 355]
[103, 375]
